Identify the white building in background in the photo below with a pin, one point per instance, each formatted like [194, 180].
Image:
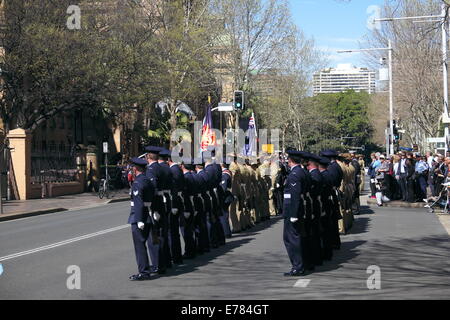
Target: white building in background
[344, 77]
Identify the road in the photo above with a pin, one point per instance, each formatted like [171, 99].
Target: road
[411, 248]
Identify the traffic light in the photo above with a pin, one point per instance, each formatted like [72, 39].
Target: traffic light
[396, 133]
[239, 100]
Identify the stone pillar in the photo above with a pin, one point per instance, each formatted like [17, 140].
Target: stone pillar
[20, 142]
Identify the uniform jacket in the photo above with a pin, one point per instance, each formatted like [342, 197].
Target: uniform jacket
[142, 192]
[293, 203]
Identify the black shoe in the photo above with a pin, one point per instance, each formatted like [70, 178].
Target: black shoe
[161, 271]
[140, 277]
[295, 273]
[178, 262]
[189, 256]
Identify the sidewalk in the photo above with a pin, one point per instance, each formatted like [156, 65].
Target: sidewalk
[17, 209]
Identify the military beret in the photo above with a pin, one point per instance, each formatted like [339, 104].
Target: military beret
[329, 153]
[324, 161]
[293, 152]
[138, 162]
[152, 149]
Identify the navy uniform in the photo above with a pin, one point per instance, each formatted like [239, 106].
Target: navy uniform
[159, 242]
[216, 232]
[317, 187]
[225, 186]
[336, 176]
[326, 220]
[174, 185]
[293, 213]
[142, 194]
[187, 219]
[204, 208]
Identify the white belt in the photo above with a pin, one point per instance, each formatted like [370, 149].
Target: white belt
[166, 191]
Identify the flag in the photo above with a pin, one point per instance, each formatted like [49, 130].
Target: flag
[251, 138]
[208, 135]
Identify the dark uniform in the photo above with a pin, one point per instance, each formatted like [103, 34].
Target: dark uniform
[317, 185]
[187, 219]
[214, 177]
[142, 194]
[203, 209]
[336, 176]
[226, 188]
[327, 210]
[158, 244]
[293, 208]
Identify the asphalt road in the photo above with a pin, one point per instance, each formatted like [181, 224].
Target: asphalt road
[410, 247]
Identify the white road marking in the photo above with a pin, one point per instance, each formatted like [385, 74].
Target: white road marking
[62, 243]
[303, 283]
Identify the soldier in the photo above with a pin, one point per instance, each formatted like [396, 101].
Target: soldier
[327, 210]
[235, 211]
[317, 185]
[336, 176]
[187, 219]
[293, 213]
[142, 193]
[203, 222]
[226, 185]
[177, 208]
[214, 176]
[159, 240]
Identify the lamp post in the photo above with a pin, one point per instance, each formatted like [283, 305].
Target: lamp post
[435, 18]
[391, 89]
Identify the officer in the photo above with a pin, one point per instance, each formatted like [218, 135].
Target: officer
[317, 185]
[214, 177]
[308, 254]
[336, 175]
[187, 219]
[159, 241]
[142, 194]
[327, 209]
[177, 207]
[293, 213]
[204, 209]
[226, 185]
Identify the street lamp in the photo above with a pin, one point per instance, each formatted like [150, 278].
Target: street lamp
[391, 90]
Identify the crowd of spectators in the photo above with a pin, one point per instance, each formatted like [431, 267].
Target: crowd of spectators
[407, 176]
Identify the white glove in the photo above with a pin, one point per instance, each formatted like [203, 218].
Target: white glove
[174, 211]
[187, 215]
[294, 220]
[156, 216]
[141, 225]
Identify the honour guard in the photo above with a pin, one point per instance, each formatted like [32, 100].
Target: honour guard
[142, 194]
[293, 213]
[187, 219]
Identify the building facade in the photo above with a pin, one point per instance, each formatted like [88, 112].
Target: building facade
[344, 77]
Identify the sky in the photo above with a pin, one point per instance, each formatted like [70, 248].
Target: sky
[336, 25]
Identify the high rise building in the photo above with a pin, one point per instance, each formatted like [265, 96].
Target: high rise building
[344, 77]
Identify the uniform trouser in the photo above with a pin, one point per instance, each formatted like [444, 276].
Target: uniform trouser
[422, 187]
[410, 183]
[216, 230]
[159, 247]
[201, 227]
[224, 220]
[187, 226]
[293, 244]
[174, 230]
[403, 186]
[326, 237]
[140, 237]
[316, 245]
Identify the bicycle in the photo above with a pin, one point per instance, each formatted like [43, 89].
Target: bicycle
[103, 189]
